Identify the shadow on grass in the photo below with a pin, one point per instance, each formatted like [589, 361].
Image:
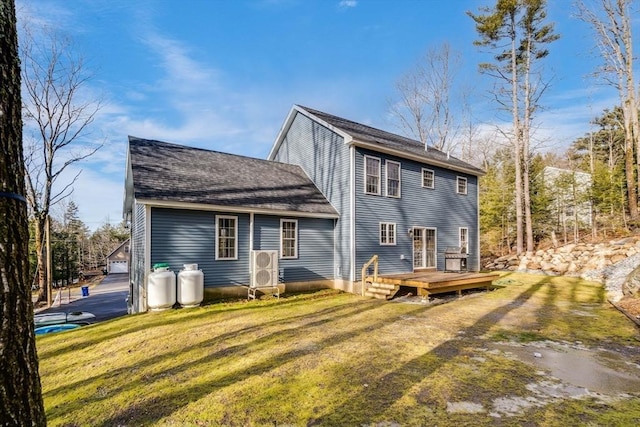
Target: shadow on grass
[351, 308]
[161, 406]
[369, 405]
[168, 317]
[365, 406]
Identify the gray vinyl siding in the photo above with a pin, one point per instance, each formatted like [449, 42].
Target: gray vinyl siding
[187, 236]
[138, 248]
[324, 157]
[315, 247]
[440, 208]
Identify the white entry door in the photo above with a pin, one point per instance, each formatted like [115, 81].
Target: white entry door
[424, 247]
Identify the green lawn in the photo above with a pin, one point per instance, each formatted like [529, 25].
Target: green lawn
[329, 358]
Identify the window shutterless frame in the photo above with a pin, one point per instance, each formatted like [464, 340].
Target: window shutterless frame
[387, 234]
[226, 237]
[428, 178]
[393, 172]
[288, 238]
[461, 185]
[372, 175]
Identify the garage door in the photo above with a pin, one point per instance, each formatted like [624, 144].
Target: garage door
[119, 267]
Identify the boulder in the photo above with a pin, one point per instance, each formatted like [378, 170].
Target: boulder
[631, 286]
[617, 258]
[546, 266]
[561, 268]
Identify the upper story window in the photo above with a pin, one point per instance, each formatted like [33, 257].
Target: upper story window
[464, 239]
[387, 233]
[289, 238]
[393, 178]
[428, 178]
[371, 175]
[226, 237]
[461, 187]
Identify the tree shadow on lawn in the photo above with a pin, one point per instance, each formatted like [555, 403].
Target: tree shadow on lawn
[354, 307]
[398, 382]
[163, 318]
[166, 404]
[561, 310]
[158, 407]
[154, 408]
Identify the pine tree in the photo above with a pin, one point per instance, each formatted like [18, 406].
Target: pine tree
[515, 31]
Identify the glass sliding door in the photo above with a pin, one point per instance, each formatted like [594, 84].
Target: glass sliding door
[418, 248]
[430, 247]
[424, 247]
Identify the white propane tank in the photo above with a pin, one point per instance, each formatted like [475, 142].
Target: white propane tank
[162, 288]
[190, 286]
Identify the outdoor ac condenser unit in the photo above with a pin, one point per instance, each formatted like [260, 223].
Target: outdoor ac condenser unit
[264, 269]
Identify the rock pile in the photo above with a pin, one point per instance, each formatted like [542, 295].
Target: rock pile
[611, 263]
[570, 260]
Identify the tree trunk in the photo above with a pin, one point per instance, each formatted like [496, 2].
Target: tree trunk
[629, 163]
[517, 138]
[634, 125]
[526, 135]
[40, 255]
[20, 391]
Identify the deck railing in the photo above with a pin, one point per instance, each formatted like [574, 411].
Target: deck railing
[365, 267]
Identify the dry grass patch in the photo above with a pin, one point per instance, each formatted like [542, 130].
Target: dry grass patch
[324, 358]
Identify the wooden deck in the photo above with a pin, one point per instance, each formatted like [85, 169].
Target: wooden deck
[434, 282]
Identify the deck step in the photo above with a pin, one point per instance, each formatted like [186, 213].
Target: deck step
[379, 285]
[376, 295]
[381, 290]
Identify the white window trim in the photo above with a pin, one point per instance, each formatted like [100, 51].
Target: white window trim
[395, 233]
[460, 238]
[282, 221]
[235, 238]
[386, 172]
[379, 175]
[466, 184]
[434, 178]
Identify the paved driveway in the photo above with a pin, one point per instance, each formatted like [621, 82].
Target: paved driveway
[106, 300]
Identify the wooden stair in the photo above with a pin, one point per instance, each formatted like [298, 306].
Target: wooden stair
[381, 290]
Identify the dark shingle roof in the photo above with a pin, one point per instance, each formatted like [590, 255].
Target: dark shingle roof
[383, 139]
[176, 173]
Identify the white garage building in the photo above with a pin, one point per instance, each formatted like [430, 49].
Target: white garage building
[118, 260]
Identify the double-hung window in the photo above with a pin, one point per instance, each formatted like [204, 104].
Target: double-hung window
[428, 178]
[371, 175]
[387, 233]
[461, 185]
[226, 237]
[393, 178]
[464, 239]
[288, 238]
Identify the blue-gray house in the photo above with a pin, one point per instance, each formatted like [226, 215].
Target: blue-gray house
[331, 194]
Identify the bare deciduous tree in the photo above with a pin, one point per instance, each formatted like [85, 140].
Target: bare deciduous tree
[429, 108]
[57, 114]
[20, 391]
[611, 22]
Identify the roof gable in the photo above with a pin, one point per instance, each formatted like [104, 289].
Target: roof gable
[167, 172]
[126, 242]
[380, 140]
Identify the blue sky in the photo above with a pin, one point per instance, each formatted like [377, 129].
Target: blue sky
[224, 74]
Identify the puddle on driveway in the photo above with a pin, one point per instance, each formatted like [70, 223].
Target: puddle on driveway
[590, 369]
